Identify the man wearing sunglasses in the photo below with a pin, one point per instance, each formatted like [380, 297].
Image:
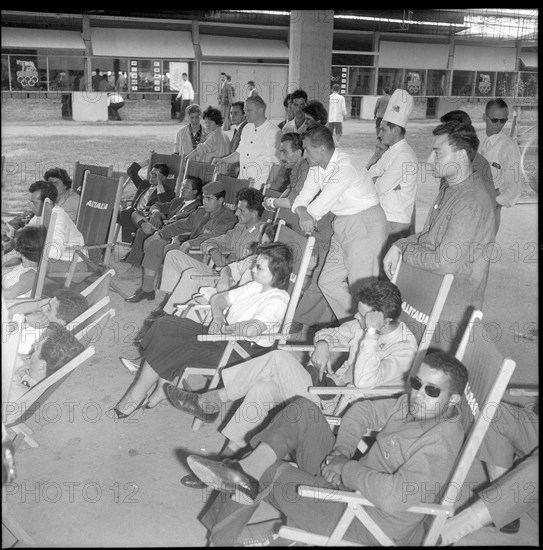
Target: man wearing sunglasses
[503, 154]
[418, 439]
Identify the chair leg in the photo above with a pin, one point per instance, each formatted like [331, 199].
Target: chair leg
[25, 431]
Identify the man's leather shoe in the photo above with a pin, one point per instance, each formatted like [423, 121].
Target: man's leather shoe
[158, 312]
[188, 402]
[140, 295]
[511, 528]
[152, 318]
[226, 478]
[193, 482]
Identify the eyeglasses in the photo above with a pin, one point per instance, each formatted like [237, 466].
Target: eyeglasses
[431, 391]
[496, 120]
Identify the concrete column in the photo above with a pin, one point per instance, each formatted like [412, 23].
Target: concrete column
[310, 57]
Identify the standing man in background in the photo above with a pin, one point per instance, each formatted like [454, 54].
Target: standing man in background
[336, 112]
[380, 108]
[226, 98]
[185, 95]
[503, 154]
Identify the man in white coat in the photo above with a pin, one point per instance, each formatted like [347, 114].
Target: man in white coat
[336, 113]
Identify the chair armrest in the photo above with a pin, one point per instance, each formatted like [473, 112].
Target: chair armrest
[222, 338]
[356, 392]
[306, 347]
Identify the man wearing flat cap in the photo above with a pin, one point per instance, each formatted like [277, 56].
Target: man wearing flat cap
[395, 169]
[210, 220]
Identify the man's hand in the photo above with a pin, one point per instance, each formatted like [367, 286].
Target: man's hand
[148, 228]
[321, 358]
[156, 219]
[307, 223]
[185, 247]
[392, 257]
[217, 160]
[332, 467]
[374, 319]
[268, 204]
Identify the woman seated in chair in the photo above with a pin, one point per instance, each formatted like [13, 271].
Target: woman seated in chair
[216, 144]
[255, 310]
[50, 354]
[18, 281]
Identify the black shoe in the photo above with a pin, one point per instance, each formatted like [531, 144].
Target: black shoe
[159, 311]
[118, 415]
[192, 481]
[125, 257]
[511, 528]
[150, 320]
[140, 295]
[224, 477]
[188, 402]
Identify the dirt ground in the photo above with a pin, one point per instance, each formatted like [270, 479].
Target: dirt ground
[96, 482]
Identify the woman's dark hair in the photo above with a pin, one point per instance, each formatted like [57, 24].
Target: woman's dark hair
[59, 347]
[30, 241]
[213, 114]
[71, 304]
[61, 174]
[382, 296]
[280, 262]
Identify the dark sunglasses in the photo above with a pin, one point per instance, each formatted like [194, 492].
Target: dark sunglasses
[431, 391]
[500, 120]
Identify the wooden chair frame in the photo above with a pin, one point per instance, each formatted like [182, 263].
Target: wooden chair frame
[482, 414]
[290, 237]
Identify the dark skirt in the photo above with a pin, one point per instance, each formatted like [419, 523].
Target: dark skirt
[171, 345]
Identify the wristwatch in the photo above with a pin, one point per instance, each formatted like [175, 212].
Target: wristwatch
[372, 330]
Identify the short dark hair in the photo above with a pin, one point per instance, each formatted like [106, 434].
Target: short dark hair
[239, 104]
[296, 141]
[336, 87]
[251, 83]
[47, 189]
[386, 90]
[184, 74]
[288, 98]
[451, 366]
[382, 296]
[253, 197]
[320, 135]
[497, 102]
[193, 108]
[317, 110]
[196, 184]
[256, 99]
[30, 241]
[164, 169]
[70, 304]
[459, 115]
[59, 347]
[213, 114]
[59, 173]
[297, 94]
[461, 136]
[280, 262]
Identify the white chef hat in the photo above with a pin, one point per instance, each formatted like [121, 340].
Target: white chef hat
[400, 106]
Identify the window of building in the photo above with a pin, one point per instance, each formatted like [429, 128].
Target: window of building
[506, 84]
[360, 81]
[389, 78]
[527, 85]
[462, 83]
[436, 83]
[414, 81]
[484, 83]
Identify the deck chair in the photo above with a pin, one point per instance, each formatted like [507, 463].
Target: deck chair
[81, 169]
[20, 411]
[232, 187]
[423, 297]
[49, 220]
[11, 337]
[99, 288]
[290, 218]
[203, 170]
[278, 178]
[96, 220]
[302, 248]
[489, 374]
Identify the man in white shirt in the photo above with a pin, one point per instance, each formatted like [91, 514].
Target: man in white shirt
[259, 145]
[395, 172]
[298, 124]
[65, 235]
[503, 155]
[185, 95]
[336, 112]
[334, 185]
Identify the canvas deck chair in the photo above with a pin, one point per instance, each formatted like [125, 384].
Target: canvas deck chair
[488, 374]
[79, 174]
[302, 248]
[21, 410]
[232, 188]
[290, 218]
[173, 162]
[96, 220]
[49, 220]
[423, 297]
[203, 170]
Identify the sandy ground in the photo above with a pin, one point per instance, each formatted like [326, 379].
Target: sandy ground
[96, 482]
